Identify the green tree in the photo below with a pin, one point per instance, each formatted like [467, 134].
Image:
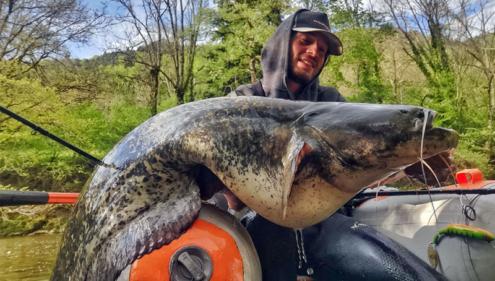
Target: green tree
[353, 14]
[476, 39]
[424, 25]
[358, 70]
[233, 57]
[89, 105]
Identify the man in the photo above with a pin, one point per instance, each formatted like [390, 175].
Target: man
[292, 60]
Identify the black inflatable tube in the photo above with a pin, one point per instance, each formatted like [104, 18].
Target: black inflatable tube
[339, 248]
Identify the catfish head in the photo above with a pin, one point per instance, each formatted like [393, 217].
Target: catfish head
[362, 143]
[325, 153]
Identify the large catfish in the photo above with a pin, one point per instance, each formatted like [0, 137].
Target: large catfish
[294, 163]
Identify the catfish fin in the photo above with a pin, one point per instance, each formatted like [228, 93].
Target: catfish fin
[158, 226]
[296, 150]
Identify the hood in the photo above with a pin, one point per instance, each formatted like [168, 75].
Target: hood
[275, 62]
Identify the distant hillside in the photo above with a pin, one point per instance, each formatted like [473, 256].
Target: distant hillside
[127, 58]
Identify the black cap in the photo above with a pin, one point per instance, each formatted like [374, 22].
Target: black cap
[309, 21]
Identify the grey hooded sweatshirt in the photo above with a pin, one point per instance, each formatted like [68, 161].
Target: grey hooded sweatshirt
[275, 64]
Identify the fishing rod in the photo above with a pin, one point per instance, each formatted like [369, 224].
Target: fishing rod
[370, 194]
[16, 198]
[44, 132]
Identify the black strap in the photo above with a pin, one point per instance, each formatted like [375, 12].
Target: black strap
[259, 88]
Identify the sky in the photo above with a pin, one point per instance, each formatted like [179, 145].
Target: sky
[102, 40]
[108, 39]
[86, 51]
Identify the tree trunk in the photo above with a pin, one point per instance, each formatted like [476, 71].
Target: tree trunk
[180, 92]
[191, 89]
[155, 90]
[491, 109]
[252, 70]
[395, 81]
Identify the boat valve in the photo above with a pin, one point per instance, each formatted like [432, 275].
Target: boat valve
[191, 264]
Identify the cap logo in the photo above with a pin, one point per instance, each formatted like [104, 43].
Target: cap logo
[322, 24]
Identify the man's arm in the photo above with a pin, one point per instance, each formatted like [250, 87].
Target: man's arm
[248, 90]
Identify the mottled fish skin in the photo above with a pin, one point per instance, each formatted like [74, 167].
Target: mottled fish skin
[151, 196]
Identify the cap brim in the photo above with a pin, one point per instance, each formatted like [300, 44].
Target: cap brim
[309, 29]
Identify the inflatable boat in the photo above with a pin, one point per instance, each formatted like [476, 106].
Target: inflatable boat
[451, 227]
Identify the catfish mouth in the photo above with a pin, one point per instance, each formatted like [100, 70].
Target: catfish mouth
[434, 140]
[438, 139]
[405, 140]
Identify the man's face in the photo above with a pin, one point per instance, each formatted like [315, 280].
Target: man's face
[307, 56]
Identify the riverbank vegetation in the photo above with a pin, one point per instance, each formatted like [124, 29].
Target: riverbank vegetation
[29, 220]
[437, 54]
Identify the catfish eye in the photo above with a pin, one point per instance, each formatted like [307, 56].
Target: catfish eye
[310, 116]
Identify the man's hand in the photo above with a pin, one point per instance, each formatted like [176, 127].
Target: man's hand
[232, 200]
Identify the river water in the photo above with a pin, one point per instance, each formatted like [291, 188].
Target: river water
[28, 258]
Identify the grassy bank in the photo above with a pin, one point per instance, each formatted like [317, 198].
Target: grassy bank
[28, 220]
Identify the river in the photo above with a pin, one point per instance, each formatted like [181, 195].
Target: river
[28, 258]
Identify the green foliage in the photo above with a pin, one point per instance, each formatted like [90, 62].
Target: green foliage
[25, 220]
[47, 165]
[18, 149]
[30, 159]
[352, 14]
[441, 98]
[468, 156]
[233, 58]
[168, 103]
[359, 67]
